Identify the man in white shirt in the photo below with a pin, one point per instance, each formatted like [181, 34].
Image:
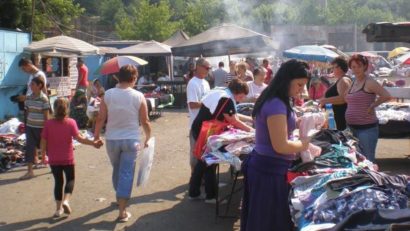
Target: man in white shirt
[196, 89]
[220, 75]
[28, 67]
[257, 85]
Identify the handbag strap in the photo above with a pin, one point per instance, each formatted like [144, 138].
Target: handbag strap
[220, 110]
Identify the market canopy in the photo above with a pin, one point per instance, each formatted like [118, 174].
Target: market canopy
[177, 38]
[397, 52]
[62, 45]
[149, 48]
[310, 53]
[226, 39]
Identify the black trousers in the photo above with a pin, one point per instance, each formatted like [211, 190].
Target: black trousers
[209, 174]
[69, 173]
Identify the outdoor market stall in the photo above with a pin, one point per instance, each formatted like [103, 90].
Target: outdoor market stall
[332, 183]
[57, 57]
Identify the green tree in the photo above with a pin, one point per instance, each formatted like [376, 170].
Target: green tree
[146, 21]
[55, 14]
[201, 15]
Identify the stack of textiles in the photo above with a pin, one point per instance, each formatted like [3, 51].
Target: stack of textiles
[328, 192]
[394, 119]
[228, 146]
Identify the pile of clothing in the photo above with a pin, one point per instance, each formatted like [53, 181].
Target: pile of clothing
[228, 147]
[12, 144]
[394, 119]
[331, 191]
[393, 111]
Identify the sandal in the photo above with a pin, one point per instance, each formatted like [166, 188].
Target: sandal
[58, 213]
[66, 208]
[124, 219]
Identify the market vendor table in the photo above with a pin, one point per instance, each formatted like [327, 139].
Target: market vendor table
[234, 190]
[399, 92]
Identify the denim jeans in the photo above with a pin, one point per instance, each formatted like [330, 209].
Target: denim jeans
[123, 155]
[367, 140]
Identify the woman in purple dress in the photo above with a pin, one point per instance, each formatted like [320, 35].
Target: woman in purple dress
[265, 200]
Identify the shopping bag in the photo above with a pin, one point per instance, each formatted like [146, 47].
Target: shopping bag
[147, 158]
[209, 128]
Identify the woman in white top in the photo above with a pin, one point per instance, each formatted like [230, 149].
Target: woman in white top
[124, 109]
[257, 85]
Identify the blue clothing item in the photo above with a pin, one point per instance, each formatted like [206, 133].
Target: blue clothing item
[265, 198]
[122, 154]
[335, 210]
[263, 144]
[368, 138]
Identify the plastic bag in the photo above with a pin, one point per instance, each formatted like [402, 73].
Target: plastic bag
[10, 127]
[147, 158]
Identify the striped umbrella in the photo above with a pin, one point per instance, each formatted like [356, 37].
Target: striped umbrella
[113, 65]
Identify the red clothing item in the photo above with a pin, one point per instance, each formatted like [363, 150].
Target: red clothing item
[59, 136]
[269, 73]
[83, 76]
[317, 93]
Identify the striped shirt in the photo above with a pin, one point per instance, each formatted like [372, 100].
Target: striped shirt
[358, 104]
[35, 106]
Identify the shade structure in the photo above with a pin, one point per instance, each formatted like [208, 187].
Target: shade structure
[148, 48]
[177, 38]
[310, 53]
[337, 51]
[226, 39]
[368, 54]
[113, 65]
[403, 57]
[60, 45]
[397, 51]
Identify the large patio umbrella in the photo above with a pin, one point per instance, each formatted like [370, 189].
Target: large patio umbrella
[310, 53]
[336, 50]
[397, 51]
[113, 65]
[226, 39]
[62, 45]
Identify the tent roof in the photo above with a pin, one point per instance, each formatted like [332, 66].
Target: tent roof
[178, 37]
[149, 48]
[223, 40]
[62, 45]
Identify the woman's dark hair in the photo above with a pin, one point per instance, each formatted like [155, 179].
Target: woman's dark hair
[238, 86]
[38, 81]
[280, 84]
[358, 58]
[61, 108]
[128, 73]
[341, 62]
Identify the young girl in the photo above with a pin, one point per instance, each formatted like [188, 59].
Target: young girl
[36, 114]
[56, 141]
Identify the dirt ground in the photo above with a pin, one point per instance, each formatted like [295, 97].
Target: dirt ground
[160, 205]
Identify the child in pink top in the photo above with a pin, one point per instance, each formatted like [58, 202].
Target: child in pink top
[57, 141]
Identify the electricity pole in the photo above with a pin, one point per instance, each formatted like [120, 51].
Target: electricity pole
[33, 3]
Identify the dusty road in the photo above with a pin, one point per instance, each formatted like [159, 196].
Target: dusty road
[161, 205]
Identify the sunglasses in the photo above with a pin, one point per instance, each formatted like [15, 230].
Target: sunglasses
[206, 67]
